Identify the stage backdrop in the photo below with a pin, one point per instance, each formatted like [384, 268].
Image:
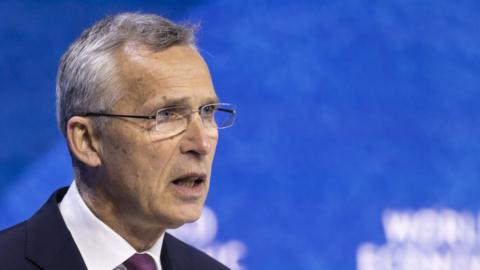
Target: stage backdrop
[357, 144]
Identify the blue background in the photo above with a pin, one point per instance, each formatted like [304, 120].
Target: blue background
[346, 108]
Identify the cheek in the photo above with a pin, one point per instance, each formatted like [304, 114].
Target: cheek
[156, 162]
[120, 165]
[160, 152]
[213, 143]
[212, 136]
[124, 158]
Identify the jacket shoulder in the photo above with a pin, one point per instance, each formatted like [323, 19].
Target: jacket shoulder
[12, 247]
[12, 237]
[196, 258]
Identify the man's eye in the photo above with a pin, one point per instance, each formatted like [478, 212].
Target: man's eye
[168, 114]
[210, 109]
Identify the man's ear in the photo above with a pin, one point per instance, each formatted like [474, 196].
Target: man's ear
[82, 141]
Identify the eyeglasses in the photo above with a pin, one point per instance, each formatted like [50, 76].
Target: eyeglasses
[170, 121]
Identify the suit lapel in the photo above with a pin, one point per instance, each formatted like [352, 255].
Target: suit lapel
[165, 258]
[49, 244]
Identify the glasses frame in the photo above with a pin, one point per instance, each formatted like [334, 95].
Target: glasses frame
[154, 117]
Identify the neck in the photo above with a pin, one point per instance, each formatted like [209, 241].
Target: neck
[138, 234]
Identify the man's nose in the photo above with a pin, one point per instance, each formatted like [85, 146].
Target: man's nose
[197, 139]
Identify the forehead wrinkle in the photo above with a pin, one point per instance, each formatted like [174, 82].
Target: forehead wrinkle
[170, 67]
[173, 95]
[147, 81]
[171, 64]
[148, 73]
[140, 82]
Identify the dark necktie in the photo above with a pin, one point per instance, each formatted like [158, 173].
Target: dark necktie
[140, 262]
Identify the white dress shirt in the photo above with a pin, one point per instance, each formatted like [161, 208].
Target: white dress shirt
[101, 247]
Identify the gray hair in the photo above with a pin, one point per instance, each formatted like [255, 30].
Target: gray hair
[87, 80]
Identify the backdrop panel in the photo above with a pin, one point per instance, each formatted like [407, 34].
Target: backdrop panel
[356, 145]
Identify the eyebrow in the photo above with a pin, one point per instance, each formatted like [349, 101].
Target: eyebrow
[173, 101]
[169, 101]
[211, 100]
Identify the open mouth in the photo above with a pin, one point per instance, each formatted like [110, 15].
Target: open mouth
[189, 182]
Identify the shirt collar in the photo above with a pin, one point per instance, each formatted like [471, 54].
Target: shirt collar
[99, 245]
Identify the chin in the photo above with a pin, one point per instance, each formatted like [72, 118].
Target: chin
[192, 216]
[179, 223]
[182, 217]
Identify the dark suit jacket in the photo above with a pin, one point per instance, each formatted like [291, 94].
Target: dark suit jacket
[44, 242]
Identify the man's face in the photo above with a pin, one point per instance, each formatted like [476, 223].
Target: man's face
[149, 178]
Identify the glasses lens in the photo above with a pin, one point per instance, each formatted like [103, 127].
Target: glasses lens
[171, 121]
[224, 115]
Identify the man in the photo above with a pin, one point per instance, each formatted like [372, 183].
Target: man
[137, 107]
